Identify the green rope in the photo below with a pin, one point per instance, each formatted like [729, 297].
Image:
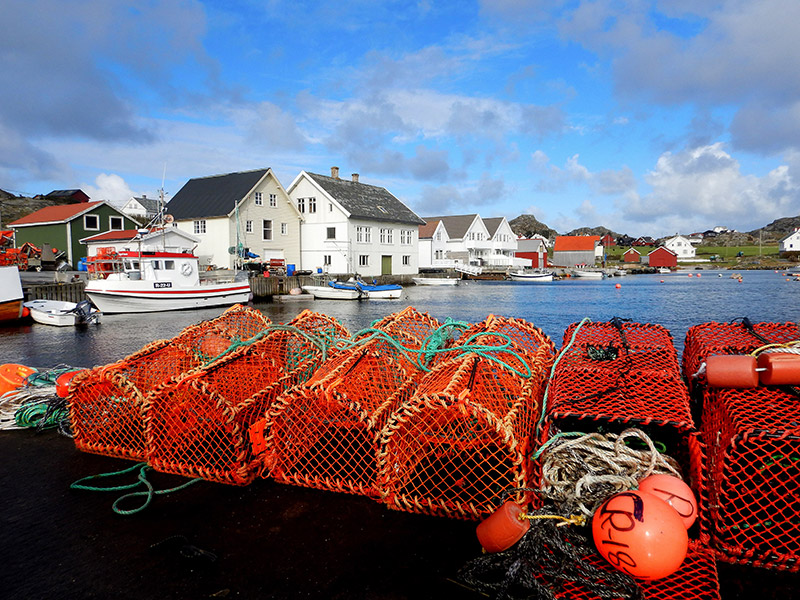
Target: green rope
[39, 414]
[141, 479]
[48, 377]
[553, 370]
[552, 440]
[238, 343]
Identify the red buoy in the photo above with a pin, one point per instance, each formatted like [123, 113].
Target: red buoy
[62, 383]
[503, 528]
[731, 371]
[779, 368]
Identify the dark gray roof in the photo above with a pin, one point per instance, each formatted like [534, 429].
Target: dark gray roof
[365, 201]
[214, 196]
[456, 225]
[492, 223]
[150, 204]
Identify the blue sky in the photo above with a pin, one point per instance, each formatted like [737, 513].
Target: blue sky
[647, 117]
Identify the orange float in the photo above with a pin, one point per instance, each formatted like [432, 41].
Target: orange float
[674, 492]
[503, 528]
[731, 371]
[779, 368]
[62, 383]
[13, 376]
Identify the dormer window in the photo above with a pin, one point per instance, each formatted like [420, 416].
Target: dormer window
[383, 210]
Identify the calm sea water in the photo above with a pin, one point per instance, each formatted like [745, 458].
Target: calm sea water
[675, 301]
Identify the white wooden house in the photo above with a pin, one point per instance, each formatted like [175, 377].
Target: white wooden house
[460, 240]
[142, 208]
[790, 243]
[503, 242]
[353, 227]
[681, 246]
[246, 214]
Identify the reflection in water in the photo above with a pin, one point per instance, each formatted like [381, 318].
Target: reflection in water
[677, 304]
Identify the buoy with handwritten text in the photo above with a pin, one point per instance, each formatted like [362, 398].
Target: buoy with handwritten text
[674, 492]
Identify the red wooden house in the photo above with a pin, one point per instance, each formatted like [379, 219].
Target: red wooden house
[631, 256]
[662, 257]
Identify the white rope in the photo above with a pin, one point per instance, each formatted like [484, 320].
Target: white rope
[581, 473]
[12, 401]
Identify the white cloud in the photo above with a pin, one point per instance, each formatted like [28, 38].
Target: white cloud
[109, 187]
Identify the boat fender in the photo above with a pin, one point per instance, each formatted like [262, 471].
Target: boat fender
[503, 528]
[731, 371]
[13, 376]
[779, 368]
[26, 312]
[62, 383]
[186, 269]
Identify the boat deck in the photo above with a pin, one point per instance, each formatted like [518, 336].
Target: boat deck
[211, 540]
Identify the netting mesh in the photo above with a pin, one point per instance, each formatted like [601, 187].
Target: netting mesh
[619, 372]
[198, 425]
[325, 432]
[697, 579]
[752, 463]
[106, 409]
[463, 438]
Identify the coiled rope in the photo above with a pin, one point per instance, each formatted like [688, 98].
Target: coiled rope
[579, 474]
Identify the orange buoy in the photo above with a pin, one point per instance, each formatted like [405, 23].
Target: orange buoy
[674, 492]
[26, 312]
[779, 368]
[731, 371]
[13, 376]
[62, 383]
[619, 285]
[503, 528]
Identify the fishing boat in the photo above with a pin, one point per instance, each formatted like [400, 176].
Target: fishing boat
[531, 276]
[333, 291]
[435, 280]
[11, 296]
[374, 291]
[587, 274]
[63, 314]
[151, 281]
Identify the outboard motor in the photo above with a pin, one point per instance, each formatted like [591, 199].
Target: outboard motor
[83, 312]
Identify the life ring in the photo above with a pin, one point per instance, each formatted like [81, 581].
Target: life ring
[186, 269]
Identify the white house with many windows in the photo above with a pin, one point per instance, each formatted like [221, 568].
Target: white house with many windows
[456, 240]
[352, 227]
[247, 215]
[681, 246]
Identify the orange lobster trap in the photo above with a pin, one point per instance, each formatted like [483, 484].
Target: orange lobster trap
[325, 433]
[199, 425]
[464, 436]
[752, 440]
[106, 403]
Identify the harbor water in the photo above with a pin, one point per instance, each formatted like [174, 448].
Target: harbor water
[677, 301]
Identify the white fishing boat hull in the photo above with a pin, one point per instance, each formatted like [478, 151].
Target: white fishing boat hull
[531, 277]
[435, 280]
[588, 274]
[324, 292]
[117, 296]
[392, 294]
[58, 313]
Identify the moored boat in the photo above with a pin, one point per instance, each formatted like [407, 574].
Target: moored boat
[63, 314]
[152, 281]
[442, 281]
[587, 274]
[11, 296]
[531, 276]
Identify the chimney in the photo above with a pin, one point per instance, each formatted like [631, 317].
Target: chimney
[335, 172]
[355, 177]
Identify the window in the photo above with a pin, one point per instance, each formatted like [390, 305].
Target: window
[91, 222]
[312, 205]
[387, 236]
[284, 229]
[258, 200]
[273, 200]
[115, 223]
[301, 205]
[156, 265]
[266, 230]
[331, 235]
[438, 236]
[200, 226]
[248, 226]
[363, 260]
[326, 260]
[330, 206]
[406, 260]
[405, 237]
[169, 265]
[363, 234]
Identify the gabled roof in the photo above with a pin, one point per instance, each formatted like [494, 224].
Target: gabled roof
[492, 223]
[56, 214]
[428, 229]
[629, 250]
[456, 225]
[123, 235]
[213, 196]
[664, 249]
[786, 237]
[55, 194]
[575, 243]
[363, 201]
[149, 204]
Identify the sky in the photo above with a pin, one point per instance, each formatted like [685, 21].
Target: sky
[647, 117]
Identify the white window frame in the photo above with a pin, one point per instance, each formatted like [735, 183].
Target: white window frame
[330, 233]
[312, 204]
[301, 205]
[199, 226]
[86, 224]
[326, 260]
[248, 226]
[111, 220]
[259, 199]
[284, 229]
[406, 260]
[273, 200]
[363, 260]
[266, 230]
[406, 236]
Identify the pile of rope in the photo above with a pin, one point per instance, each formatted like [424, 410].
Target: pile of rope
[579, 474]
[36, 404]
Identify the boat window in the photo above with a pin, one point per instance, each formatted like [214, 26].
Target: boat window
[156, 265]
[169, 265]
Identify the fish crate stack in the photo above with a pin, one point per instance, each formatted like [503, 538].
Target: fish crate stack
[325, 433]
[462, 439]
[199, 424]
[751, 428]
[106, 403]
